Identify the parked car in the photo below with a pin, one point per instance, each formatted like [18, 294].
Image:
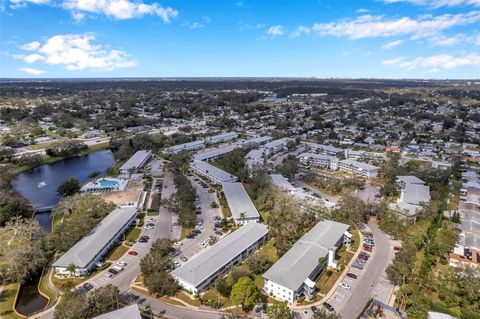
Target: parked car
[87, 286]
[328, 306]
[122, 263]
[357, 265]
[344, 285]
[397, 248]
[314, 309]
[132, 253]
[178, 243]
[353, 276]
[183, 258]
[108, 275]
[113, 271]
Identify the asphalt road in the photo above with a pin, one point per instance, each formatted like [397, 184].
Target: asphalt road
[314, 190]
[364, 286]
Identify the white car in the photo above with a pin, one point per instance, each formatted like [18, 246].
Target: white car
[108, 275]
[344, 285]
[121, 263]
[178, 243]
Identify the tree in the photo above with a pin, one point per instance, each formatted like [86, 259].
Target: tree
[444, 241]
[21, 249]
[223, 287]
[351, 210]
[72, 306]
[12, 205]
[71, 268]
[289, 166]
[69, 187]
[279, 310]
[258, 263]
[245, 293]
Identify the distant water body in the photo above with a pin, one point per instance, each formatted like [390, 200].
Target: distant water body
[39, 185]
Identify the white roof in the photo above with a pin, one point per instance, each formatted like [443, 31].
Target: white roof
[318, 156]
[410, 179]
[215, 172]
[282, 182]
[209, 261]
[136, 160]
[293, 268]
[214, 152]
[179, 147]
[128, 312]
[324, 147]
[238, 201]
[221, 136]
[83, 252]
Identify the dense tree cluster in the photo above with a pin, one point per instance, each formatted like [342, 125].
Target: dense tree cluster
[154, 267]
[185, 201]
[65, 149]
[79, 214]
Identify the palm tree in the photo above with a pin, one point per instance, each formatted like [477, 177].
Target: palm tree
[243, 216]
[71, 269]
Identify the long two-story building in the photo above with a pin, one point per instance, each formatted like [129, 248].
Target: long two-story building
[295, 273]
[201, 271]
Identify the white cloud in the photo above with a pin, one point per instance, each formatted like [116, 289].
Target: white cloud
[368, 26]
[439, 3]
[119, 9]
[392, 44]
[446, 41]
[116, 9]
[32, 71]
[31, 58]
[275, 30]
[196, 25]
[435, 63]
[478, 40]
[362, 10]
[77, 52]
[301, 30]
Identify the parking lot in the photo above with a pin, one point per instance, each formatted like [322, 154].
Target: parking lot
[191, 246]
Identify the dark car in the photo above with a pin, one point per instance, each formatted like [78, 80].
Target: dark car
[142, 240]
[113, 271]
[328, 306]
[357, 265]
[353, 276]
[87, 286]
[314, 309]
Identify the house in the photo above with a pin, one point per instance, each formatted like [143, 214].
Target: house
[254, 157]
[204, 268]
[328, 161]
[211, 172]
[175, 149]
[295, 273]
[93, 248]
[413, 193]
[93, 133]
[358, 168]
[137, 161]
[128, 312]
[221, 138]
[241, 206]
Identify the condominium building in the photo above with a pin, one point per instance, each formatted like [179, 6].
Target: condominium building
[137, 161]
[95, 246]
[325, 149]
[241, 206]
[330, 162]
[295, 273]
[358, 168]
[201, 271]
[211, 172]
[175, 149]
[221, 138]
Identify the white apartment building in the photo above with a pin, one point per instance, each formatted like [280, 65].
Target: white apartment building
[325, 149]
[211, 172]
[175, 149]
[241, 206]
[203, 269]
[93, 248]
[221, 138]
[358, 168]
[330, 162]
[137, 161]
[294, 274]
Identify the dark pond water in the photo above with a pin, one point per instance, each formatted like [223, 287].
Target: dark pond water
[29, 299]
[39, 185]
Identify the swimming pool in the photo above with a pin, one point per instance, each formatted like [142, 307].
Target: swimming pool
[108, 183]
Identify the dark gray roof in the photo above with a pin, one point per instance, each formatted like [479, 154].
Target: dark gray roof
[301, 260]
[209, 261]
[416, 193]
[83, 252]
[238, 201]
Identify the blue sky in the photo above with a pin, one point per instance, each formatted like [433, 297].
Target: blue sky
[175, 38]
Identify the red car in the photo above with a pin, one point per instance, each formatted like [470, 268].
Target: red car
[132, 253]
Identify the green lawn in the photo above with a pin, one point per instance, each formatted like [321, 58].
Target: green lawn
[7, 300]
[133, 234]
[117, 252]
[46, 290]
